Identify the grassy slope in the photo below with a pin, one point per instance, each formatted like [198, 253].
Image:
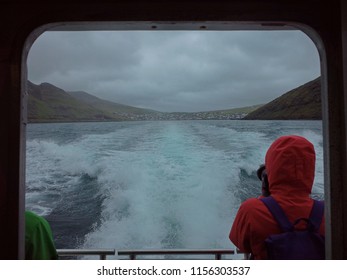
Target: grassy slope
[107, 106]
[49, 103]
[241, 110]
[303, 102]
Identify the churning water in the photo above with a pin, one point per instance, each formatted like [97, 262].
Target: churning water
[150, 185]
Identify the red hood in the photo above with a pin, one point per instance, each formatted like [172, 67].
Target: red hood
[290, 166]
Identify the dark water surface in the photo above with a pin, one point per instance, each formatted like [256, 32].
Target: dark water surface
[138, 185]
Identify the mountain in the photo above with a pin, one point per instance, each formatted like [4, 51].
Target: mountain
[303, 102]
[107, 106]
[48, 103]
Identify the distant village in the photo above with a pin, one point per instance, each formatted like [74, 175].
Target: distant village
[156, 116]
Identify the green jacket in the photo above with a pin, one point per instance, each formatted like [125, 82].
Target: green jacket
[39, 244]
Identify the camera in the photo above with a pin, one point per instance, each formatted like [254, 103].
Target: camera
[262, 175]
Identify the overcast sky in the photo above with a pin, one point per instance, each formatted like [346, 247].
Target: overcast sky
[176, 70]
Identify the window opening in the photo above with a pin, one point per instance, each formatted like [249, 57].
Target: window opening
[169, 162]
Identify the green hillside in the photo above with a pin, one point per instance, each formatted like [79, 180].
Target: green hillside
[48, 103]
[303, 102]
[107, 106]
[242, 110]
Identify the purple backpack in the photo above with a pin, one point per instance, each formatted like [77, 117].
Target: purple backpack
[294, 244]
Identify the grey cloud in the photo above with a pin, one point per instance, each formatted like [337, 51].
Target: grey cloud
[176, 70]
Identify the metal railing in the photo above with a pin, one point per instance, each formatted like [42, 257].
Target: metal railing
[102, 253]
[215, 252]
[132, 254]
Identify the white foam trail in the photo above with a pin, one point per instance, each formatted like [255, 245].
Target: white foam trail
[177, 188]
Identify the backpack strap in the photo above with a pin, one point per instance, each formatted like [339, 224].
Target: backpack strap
[316, 215]
[278, 213]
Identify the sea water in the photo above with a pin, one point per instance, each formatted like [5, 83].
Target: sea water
[151, 185]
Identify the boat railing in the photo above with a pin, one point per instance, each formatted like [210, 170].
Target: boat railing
[133, 254]
[102, 253]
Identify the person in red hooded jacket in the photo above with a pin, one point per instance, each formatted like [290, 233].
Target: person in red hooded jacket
[290, 167]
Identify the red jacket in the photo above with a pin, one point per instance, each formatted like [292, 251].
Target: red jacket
[290, 166]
